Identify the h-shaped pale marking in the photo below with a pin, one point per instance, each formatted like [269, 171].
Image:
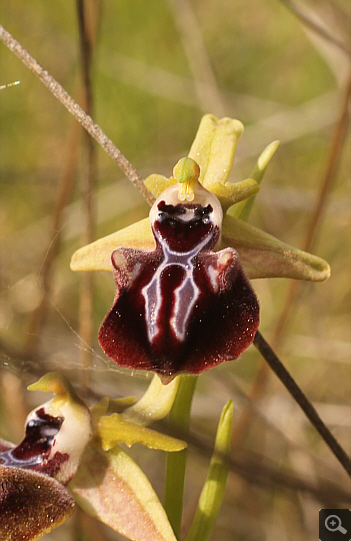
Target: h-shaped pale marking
[153, 295]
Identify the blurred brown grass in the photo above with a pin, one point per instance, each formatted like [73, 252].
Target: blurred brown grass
[153, 76]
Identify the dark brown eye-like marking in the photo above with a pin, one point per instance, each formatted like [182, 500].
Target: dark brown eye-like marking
[182, 307]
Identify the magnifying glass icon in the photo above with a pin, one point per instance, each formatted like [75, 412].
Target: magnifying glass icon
[333, 524]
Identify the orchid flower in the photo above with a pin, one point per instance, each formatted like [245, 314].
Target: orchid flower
[33, 497]
[184, 302]
[72, 454]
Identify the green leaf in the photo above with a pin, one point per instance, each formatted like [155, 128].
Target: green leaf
[211, 497]
[112, 488]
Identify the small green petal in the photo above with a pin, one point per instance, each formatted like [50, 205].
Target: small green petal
[264, 256]
[108, 405]
[155, 404]
[243, 209]
[229, 194]
[112, 488]
[97, 255]
[156, 184]
[211, 497]
[214, 148]
[113, 429]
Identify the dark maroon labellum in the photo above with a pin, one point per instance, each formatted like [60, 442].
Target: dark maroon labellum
[35, 452]
[182, 307]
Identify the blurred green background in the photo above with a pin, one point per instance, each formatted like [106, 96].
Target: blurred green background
[157, 67]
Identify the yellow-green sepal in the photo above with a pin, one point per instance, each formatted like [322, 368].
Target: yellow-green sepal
[108, 405]
[214, 148]
[97, 255]
[264, 256]
[58, 385]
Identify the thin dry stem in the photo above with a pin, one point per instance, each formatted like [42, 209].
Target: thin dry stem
[295, 391]
[72, 106]
[335, 151]
[13, 398]
[336, 146]
[328, 180]
[88, 181]
[305, 18]
[210, 96]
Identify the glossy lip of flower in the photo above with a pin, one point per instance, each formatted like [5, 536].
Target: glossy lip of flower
[181, 307]
[33, 496]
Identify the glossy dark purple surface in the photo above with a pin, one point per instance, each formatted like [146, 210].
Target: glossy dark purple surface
[39, 435]
[182, 307]
[35, 451]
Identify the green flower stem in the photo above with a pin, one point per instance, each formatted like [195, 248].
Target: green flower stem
[179, 418]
